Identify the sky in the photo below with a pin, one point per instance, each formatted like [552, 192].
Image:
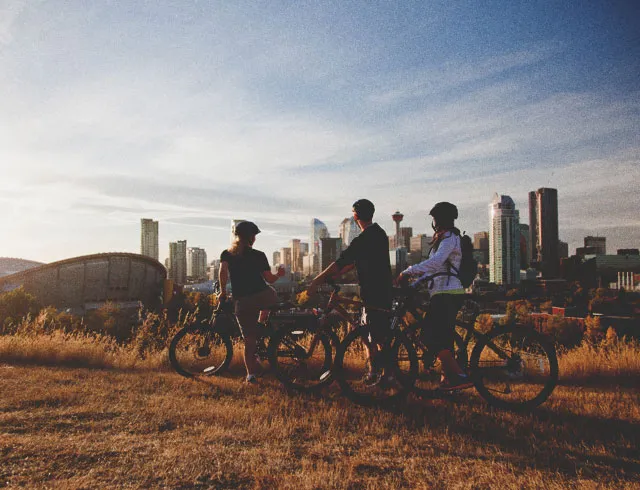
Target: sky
[198, 112]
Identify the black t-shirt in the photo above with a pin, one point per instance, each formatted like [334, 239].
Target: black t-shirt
[369, 251]
[246, 271]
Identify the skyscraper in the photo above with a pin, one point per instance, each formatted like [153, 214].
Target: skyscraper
[149, 238]
[481, 246]
[349, 229]
[285, 258]
[525, 245]
[504, 241]
[178, 261]
[329, 250]
[296, 255]
[318, 231]
[196, 263]
[543, 229]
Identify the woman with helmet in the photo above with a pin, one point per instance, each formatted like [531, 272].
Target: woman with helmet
[249, 272]
[446, 292]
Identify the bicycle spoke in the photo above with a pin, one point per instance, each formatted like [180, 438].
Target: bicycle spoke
[515, 368]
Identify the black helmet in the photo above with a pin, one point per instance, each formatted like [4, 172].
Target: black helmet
[246, 229]
[444, 212]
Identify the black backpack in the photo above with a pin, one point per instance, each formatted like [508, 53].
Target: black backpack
[468, 265]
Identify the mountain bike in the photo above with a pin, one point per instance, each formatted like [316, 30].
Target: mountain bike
[373, 366]
[303, 372]
[512, 367]
[206, 349]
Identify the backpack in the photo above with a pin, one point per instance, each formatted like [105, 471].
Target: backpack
[468, 265]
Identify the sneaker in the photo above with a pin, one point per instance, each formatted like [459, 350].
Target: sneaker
[457, 382]
[251, 379]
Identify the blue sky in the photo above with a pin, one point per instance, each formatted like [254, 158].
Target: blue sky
[194, 113]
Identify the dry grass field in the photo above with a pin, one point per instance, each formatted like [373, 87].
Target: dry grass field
[107, 421]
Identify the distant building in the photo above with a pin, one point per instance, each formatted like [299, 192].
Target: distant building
[296, 255]
[617, 269]
[586, 252]
[276, 258]
[348, 230]
[149, 238]
[285, 258]
[318, 231]
[543, 226]
[525, 245]
[597, 242]
[398, 259]
[178, 261]
[329, 250]
[504, 241]
[213, 271]
[563, 249]
[310, 263]
[196, 263]
[481, 245]
[419, 247]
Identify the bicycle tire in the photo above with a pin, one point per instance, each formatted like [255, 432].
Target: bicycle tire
[350, 364]
[514, 368]
[430, 373]
[289, 358]
[200, 351]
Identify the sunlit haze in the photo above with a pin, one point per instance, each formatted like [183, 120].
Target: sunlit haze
[195, 113]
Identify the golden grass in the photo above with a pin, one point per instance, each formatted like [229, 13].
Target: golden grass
[137, 425]
[83, 428]
[615, 360]
[76, 350]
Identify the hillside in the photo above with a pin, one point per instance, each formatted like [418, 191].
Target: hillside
[83, 428]
[9, 265]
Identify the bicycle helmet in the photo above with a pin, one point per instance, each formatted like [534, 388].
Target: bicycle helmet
[246, 229]
[444, 211]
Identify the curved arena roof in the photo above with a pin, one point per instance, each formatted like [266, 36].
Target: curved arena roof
[76, 282]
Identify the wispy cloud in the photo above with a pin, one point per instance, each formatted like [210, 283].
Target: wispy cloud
[10, 11]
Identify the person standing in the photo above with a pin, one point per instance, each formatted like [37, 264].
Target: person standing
[446, 292]
[369, 254]
[249, 272]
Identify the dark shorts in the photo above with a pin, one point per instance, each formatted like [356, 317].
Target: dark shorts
[378, 322]
[440, 321]
[248, 309]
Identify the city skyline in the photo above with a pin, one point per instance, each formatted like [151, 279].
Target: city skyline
[198, 115]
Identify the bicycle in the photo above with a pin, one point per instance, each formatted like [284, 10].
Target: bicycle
[512, 367]
[299, 372]
[206, 349]
[394, 365]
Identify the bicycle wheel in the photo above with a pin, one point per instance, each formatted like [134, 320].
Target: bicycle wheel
[397, 366]
[430, 371]
[302, 358]
[515, 368]
[200, 351]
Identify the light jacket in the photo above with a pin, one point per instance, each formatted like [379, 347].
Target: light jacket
[449, 252]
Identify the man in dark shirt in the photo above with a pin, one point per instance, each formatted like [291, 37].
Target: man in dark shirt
[369, 253]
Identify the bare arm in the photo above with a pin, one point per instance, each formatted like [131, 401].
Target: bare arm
[270, 277]
[223, 275]
[330, 271]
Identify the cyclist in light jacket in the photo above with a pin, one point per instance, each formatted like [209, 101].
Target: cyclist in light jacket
[446, 292]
